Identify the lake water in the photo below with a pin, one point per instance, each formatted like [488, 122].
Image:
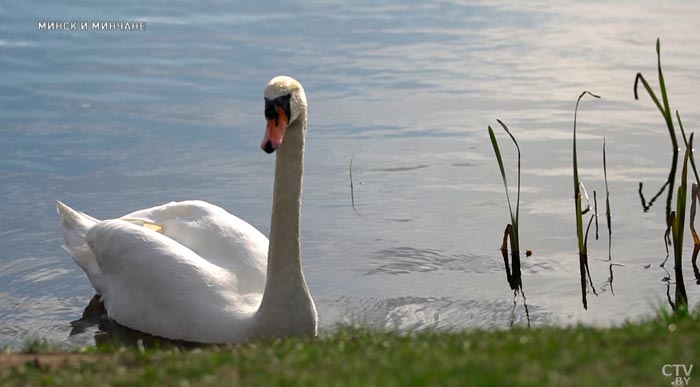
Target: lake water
[110, 122]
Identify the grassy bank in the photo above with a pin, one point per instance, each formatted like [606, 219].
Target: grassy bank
[629, 355]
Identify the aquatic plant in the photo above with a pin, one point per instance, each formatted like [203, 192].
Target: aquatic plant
[677, 229]
[511, 233]
[580, 235]
[608, 219]
[668, 119]
[675, 220]
[514, 234]
[694, 198]
[666, 113]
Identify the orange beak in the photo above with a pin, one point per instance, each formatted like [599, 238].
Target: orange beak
[274, 133]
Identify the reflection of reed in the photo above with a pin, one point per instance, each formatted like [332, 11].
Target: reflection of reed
[667, 280]
[608, 284]
[610, 279]
[514, 277]
[515, 303]
[694, 198]
[696, 250]
[646, 206]
[352, 186]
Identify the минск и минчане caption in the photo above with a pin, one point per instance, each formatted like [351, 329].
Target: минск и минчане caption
[45, 25]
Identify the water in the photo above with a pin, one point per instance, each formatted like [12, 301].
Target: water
[110, 122]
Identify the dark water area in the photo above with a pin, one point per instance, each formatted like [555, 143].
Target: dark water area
[114, 121]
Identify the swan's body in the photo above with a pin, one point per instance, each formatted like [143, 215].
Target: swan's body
[192, 271]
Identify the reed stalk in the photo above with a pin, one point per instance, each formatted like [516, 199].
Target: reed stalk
[580, 234]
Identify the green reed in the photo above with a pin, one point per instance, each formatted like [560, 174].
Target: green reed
[677, 231]
[511, 233]
[580, 234]
[665, 110]
[608, 215]
[514, 216]
[675, 220]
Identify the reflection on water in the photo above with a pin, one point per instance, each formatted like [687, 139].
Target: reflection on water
[112, 334]
[407, 260]
[401, 313]
[114, 122]
[442, 313]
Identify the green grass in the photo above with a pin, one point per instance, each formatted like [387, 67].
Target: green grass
[629, 355]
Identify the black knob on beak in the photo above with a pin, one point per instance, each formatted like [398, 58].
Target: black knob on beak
[268, 147]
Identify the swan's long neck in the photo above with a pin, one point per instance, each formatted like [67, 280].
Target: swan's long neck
[286, 300]
[284, 257]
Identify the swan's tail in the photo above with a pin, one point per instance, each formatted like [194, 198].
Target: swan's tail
[75, 226]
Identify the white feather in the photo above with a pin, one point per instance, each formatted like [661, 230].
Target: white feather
[160, 286]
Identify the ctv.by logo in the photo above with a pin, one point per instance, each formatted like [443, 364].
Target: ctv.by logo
[680, 373]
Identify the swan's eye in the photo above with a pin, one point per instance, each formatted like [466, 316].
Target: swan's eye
[271, 106]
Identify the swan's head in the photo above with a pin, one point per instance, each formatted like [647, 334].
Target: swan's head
[285, 102]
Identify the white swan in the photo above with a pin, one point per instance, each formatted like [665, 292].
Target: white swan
[192, 271]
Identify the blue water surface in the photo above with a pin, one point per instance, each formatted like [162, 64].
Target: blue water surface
[113, 121]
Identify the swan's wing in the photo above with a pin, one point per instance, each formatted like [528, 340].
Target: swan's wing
[155, 285]
[216, 235]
